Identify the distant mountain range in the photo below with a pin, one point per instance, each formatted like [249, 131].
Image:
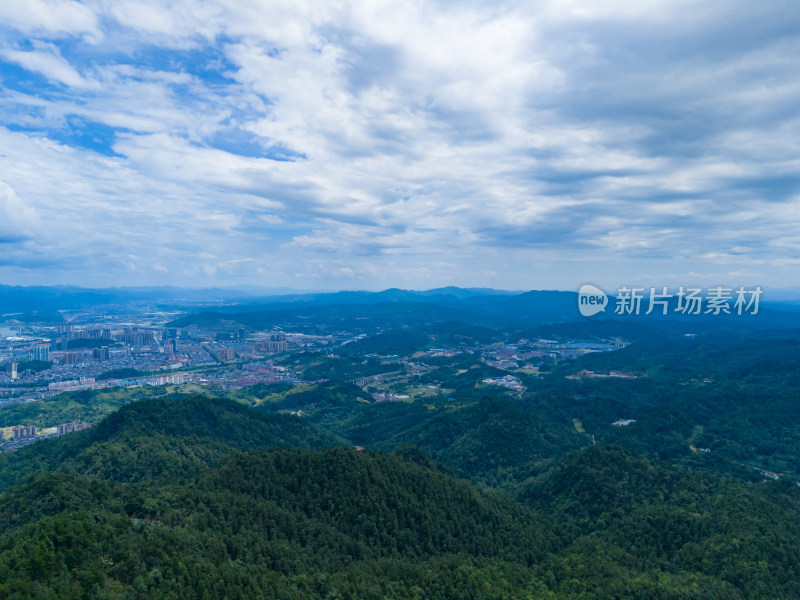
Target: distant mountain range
[536, 313]
[539, 311]
[26, 299]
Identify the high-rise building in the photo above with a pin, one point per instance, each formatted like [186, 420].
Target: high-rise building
[12, 369]
[277, 342]
[71, 427]
[24, 431]
[226, 354]
[69, 358]
[136, 337]
[100, 353]
[40, 352]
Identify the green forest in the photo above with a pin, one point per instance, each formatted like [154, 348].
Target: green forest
[473, 492]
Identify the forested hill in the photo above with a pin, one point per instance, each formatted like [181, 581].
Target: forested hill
[722, 404]
[625, 514]
[162, 438]
[159, 501]
[271, 524]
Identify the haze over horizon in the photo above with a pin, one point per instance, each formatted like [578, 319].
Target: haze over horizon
[376, 145]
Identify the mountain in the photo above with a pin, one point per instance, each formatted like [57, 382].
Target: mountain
[459, 292]
[664, 469]
[192, 497]
[537, 313]
[406, 341]
[288, 523]
[50, 299]
[396, 308]
[482, 436]
[392, 308]
[322, 316]
[712, 402]
[160, 438]
[270, 524]
[643, 515]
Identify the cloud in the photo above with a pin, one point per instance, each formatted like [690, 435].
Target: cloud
[18, 221]
[47, 61]
[53, 17]
[291, 138]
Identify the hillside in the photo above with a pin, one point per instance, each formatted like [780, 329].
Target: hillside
[162, 439]
[275, 524]
[82, 405]
[158, 500]
[465, 490]
[712, 403]
[740, 540]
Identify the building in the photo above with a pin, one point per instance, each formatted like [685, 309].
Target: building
[84, 383]
[136, 337]
[174, 379]
[277, 342]
[63, 428]
[69, 358]
[24, 431]
[100, 353]
[226, 355]
[93, 334]
[12, 369]
[273, 346]
[40, 352]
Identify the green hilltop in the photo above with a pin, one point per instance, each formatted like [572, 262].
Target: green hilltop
[470, 491]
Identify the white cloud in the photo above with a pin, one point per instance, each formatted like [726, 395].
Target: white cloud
[372, 136]
[47, 61]
[50, 16]
[18, 220]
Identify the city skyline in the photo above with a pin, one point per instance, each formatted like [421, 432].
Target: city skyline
[370, 145]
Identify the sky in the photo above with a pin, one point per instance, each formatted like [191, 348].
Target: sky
[416, 144]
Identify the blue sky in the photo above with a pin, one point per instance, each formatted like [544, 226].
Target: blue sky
[365, 145]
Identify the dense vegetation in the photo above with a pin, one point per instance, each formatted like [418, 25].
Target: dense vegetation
[83, 405]
[404, 342]
[280, 524]
[121, 373]
[35, 366]
[316, 367]
[738, 399]
[162, 438]
[469, 492]
[79, 343]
